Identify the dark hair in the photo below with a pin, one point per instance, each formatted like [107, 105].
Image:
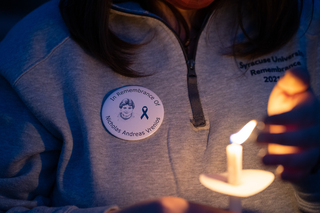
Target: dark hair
[275, 22]
[126, 101]
[88, 22]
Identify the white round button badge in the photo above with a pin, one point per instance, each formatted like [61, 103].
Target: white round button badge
[132, 113]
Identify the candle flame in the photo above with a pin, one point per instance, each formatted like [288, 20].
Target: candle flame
[244, 133]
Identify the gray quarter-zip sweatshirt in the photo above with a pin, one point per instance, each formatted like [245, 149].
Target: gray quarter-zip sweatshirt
[57, 155]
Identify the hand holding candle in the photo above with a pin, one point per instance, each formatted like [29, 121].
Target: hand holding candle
[236, 182]
[293, 126]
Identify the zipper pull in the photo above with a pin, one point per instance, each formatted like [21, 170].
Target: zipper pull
[191, 70]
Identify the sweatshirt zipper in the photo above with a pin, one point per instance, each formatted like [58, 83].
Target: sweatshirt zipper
[194, 97]
[193, 92]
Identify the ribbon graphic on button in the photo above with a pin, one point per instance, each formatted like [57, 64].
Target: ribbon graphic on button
[144, 110]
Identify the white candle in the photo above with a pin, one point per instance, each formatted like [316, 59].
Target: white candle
[234, 152]
[234, 161]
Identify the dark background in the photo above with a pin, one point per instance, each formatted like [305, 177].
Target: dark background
[11, 11]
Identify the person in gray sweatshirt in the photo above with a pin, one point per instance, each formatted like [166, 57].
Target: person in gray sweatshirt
[195, 72]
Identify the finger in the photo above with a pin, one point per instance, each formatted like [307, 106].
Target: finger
[305, 114]
[307, 137]
[304, 160]
[294, 175]
[295, 80]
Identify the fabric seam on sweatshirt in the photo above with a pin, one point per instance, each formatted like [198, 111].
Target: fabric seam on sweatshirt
[172, 167]
[32, 66]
